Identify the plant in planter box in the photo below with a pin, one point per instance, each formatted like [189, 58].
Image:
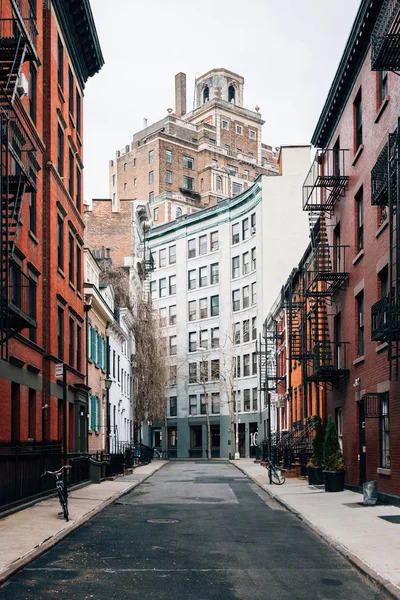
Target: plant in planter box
[333, 461]
[314, 465]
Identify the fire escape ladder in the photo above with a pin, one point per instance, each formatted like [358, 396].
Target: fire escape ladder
[385, 39]
[394, 267]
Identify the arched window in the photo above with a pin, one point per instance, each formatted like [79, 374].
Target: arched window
[178, 212]
[202, 185]
[231, 94]
[219, 183]
[206, 94]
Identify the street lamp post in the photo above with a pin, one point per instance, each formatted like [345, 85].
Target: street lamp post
[237, 453]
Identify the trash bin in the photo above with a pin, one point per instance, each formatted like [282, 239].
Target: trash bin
[95, 470]
[370, 494]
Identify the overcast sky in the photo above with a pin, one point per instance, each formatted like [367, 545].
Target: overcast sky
[287, 50]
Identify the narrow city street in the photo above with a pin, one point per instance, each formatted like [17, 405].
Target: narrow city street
[193, 531]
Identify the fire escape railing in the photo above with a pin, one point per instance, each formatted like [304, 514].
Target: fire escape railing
[326, 180]
[329, 361]
[385, 39]
[383, 318]
[327, 272]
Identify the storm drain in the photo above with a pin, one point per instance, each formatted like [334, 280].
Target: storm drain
[163, 521]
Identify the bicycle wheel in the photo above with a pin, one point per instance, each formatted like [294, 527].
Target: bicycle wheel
[63, 498]
[276, 478]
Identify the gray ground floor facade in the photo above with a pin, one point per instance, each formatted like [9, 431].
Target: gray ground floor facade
[187, 437]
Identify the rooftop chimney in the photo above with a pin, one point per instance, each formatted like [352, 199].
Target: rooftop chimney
[180, 94]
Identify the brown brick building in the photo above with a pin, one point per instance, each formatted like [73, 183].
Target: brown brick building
[190, 160]
[48, 51]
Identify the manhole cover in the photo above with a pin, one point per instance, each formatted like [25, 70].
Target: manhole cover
[392, 519]
[166, 521]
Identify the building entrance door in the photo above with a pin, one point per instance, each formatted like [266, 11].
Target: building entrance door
[253, 431]
[362, 447]
[242, 440]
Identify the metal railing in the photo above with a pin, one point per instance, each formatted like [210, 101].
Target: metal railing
[385, 39]
[326, 180]
[329, 360]
[382, 318]
[18, 298]
[24, 23]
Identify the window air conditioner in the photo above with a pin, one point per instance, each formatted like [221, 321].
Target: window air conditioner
[252, 230]
[22, 86]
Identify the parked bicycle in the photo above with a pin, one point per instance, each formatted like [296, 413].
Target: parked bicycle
[275, 476]
[61, 489]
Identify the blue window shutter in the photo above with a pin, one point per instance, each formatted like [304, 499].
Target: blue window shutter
[100, 350]
[93, 344]
[89, 341]
[105, 357]
[93, 418]
[98, 414]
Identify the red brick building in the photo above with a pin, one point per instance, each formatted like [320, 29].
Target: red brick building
[352, 197]
[47, 53]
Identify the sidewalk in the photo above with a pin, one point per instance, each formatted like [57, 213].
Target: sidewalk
[356, 531]
[26, 534]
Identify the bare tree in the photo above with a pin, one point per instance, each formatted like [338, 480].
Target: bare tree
[228, 361]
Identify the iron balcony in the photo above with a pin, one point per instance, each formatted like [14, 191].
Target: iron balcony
[329, 361]
[384, 319]
[385, 39]
[326, 273]
[326, 180]
[17, 304]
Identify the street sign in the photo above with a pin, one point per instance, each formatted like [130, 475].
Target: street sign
[59, 369]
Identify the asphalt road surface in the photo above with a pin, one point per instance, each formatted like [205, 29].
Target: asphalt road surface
[193, 531]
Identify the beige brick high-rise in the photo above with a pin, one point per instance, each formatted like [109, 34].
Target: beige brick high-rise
[190, 160]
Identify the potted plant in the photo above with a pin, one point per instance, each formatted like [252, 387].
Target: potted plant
[314, 465]
[333, 461]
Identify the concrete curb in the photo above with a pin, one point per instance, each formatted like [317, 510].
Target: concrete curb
[52, 541]
[391, 590]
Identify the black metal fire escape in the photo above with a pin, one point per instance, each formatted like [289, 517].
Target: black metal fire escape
[325, 272]
[146, 266]
[385, 39]
[18, 170]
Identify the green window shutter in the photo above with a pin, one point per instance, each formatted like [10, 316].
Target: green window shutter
[93, 357]
[93, 415]
[98, 414]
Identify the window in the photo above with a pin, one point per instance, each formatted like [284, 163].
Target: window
[192, 279]
[254, 293]
[172, 345]
[32, 212]
[246, 365]
[156, 214]
[238, 359]
[239, 129]
[214, 268]
[162, 287]
[202, 185]
[235, 267]
[360, 324]
[32, 308]
[60, 150]
[113, 180]
[235, 234]
[173, 409]
[385, 432]
[188, 163]
[163, 316]
[78, 282]
[78, 347]
[151, 177]
[168, 156]
[237, 333]
[232, 170]
[360, 219]
[246, 331]
[214, 241]
[215, 403]
[60, 242]
[60, 67]
[151, 157]
[204, 339]
[192, 312]
[125, 167]
[78, 199]
[178, 212]
[246, 400]
[71, 173]
[253, 259]
[383, 277]
[236, 188]
[203, 370]
[231, 94]
[172, 315]
[172, 255]
[32, 91]
[196, 437]
[78, 111]
[172, 285]
[214, 306]
[191, 248]
[235, 300]
[153, 289]
[60, 333]
[93, 351]
[193, 372]
[382, 87]
[245, 228]
[162, 257]
[255, 399]
[203, 410]
[168, 176]
[215, 369]
[193, 404]
[134, 182]
[253, 328]
[253, 223]
[151, 199]
[188, 182]
[246, 174]
[252, 134]
[246, 298]
[203, 276]
[254, 363]
[225, 124]
[71, 341]
[246, 263]
[218, 181]
[203, 308]
[203, 244]
[70, 91]
[215, 337]
[192, 341]
[358, 133]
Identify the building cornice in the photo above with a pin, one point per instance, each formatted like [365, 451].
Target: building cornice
[349, 67]
[238, 111]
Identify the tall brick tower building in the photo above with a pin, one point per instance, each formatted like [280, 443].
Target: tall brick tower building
[191, 160]
[48, 50]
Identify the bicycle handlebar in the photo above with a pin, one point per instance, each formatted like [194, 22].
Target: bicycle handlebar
[56, 472]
